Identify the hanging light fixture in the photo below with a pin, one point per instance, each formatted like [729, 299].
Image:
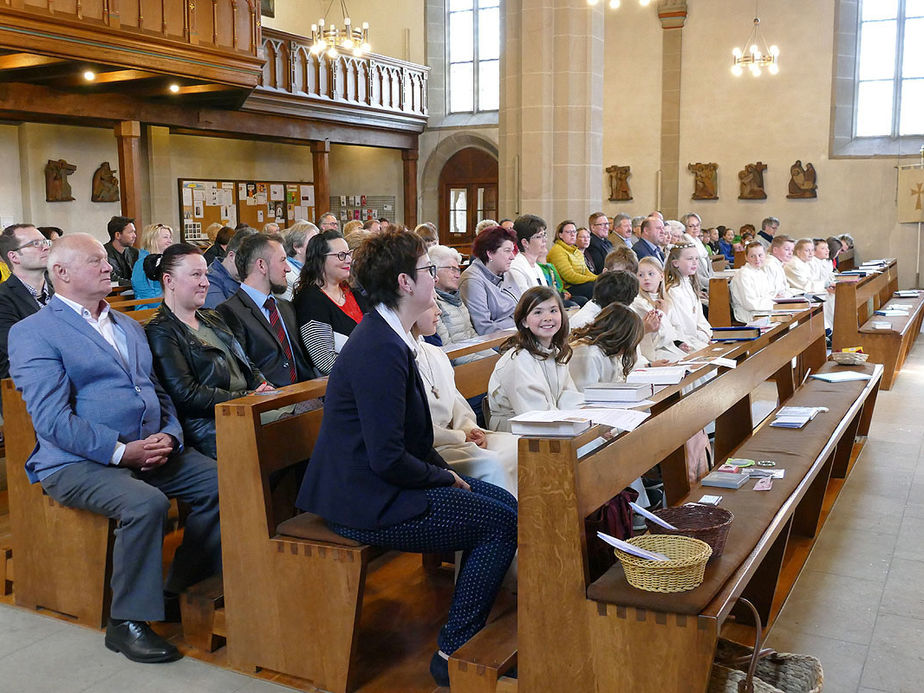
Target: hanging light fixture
[756, 54]
[347, 39]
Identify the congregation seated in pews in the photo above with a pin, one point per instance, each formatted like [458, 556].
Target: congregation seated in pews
[397, 458]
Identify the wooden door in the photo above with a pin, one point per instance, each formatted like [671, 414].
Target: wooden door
[468, 194]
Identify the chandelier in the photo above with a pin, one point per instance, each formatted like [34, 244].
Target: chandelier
[756, 54]
[348, 38]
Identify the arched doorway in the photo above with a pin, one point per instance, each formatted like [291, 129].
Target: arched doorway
[468, 194]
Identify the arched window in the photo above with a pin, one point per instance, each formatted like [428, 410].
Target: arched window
[473, 52]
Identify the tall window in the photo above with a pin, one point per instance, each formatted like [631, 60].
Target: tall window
[890, 69]
[474, 55]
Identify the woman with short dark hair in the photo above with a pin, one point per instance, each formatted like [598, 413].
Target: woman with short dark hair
[326, 309]
[490, 294]
[374, 475]
[196, 357]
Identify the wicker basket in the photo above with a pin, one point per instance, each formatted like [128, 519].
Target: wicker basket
[684, 571]
[704, 522]
[778, 671]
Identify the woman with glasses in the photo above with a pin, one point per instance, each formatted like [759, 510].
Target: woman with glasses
[326, 309]
[155, 239]
[374, 475]
[455, 324]
[489, 292]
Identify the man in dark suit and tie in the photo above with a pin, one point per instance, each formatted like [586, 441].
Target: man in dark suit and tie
[25, 251]
[650, 242]
[108, 441]
[264, 324]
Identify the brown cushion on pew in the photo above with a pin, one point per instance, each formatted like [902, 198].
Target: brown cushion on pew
[312, 527]
[793, 450]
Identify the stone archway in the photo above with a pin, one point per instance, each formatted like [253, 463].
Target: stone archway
[429, 184]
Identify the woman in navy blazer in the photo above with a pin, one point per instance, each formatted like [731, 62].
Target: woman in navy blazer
[374, 475]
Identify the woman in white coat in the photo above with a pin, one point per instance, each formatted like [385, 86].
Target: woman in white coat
[468, 450]
[532, 374]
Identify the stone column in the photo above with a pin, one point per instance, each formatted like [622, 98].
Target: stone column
[409, 159]
[551, 115]
[320, 159]
[673, 14]
[128, 137]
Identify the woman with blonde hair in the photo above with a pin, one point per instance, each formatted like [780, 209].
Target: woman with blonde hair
[155, 239]
[685, 311]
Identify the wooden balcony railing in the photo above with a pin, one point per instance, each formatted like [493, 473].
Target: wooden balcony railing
[210, 39]
[344, 88]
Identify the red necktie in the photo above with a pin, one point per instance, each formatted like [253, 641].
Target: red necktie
[276, 324]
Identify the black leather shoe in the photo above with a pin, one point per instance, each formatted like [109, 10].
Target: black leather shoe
[139, 643]
[439, 670]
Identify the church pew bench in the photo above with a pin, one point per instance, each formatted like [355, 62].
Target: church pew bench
[63, 556]
[890, 346]
[740, 258]
[845, 260]
[725, 399]
[575, 634]
[854, 307]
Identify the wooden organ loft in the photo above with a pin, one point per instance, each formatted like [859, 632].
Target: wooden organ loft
[202, 67]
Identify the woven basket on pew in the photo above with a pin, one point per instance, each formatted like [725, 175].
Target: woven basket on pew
[684, 571]
[704, 522]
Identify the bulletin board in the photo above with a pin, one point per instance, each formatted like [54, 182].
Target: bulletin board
[253, 202]
[363, 207]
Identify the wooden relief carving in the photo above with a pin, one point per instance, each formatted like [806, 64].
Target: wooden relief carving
[57, 189]
[105, 185]
[802, 181]
[751, 182]
[619, 183]
[704, 183]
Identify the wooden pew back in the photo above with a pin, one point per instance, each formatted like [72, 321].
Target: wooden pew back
[63, 556]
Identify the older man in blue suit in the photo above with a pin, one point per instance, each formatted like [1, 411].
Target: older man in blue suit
[108, 441]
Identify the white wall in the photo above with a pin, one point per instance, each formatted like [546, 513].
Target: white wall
[85, 147]
[738, 120]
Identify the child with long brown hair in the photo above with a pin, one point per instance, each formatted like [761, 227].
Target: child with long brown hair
[685, 311]
[606, 350]
[532, 373]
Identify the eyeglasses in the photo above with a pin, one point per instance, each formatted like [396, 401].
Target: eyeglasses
[342, 255]
[37, 243]
[452, 270]
[430, 268]
[601, 223]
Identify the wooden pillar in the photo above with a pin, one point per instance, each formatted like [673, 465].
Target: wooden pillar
[128, 138]
[409, 157]
[320, 159]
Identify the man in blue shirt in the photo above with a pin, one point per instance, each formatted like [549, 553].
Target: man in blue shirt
[264, 324]
[108, 441]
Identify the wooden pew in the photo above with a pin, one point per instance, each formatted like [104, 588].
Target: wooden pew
[720, 307]
[578, 635]
[724, 399]
[846, 261]
[63, 556]
[855, 303]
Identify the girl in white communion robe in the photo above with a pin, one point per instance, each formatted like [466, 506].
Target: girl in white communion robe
[486, 455]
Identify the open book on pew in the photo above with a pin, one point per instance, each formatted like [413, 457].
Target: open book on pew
[658, 375]
[571, 422]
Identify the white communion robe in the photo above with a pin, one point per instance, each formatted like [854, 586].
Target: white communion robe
[752, 290]
[685, 314]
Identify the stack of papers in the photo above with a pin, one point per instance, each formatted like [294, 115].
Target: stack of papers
[906, 293]
[840, 376]
[895, 310]
[658, 375]
[795, 417]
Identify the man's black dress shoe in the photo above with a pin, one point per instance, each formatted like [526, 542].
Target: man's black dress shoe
[139, 643]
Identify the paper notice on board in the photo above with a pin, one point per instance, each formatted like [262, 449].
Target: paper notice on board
[198, 209]
[259, 215]
[187, 197]
[227, 185]
[226, 212]
[198, 195]
[213, 197]
[260, 198]
[242, 190]
[301, 213]
[277, 192]
[306, 194]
